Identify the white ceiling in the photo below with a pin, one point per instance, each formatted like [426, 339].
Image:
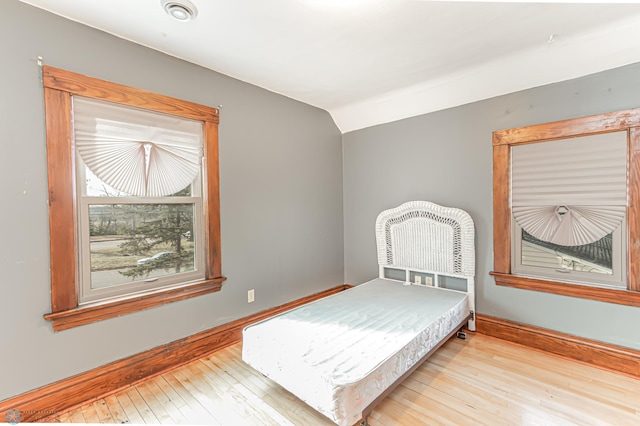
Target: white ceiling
[374, 61]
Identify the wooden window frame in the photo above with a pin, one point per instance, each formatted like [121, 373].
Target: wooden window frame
[503, 140]
[59, 87]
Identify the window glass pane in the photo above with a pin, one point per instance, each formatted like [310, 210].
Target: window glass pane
[134, 242]
[596, 257]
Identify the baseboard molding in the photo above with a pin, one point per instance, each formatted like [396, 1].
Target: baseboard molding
[68, 393]
[610, 357]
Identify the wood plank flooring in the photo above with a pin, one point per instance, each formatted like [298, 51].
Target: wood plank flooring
[478, 381]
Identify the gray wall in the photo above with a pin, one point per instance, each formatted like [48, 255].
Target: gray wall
[281, 197]
[446, 157]
[281, 169]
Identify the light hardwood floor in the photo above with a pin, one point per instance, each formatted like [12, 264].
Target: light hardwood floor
[478, 381]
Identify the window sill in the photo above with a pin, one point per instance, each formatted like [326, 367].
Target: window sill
[609, 295]
[99, 311]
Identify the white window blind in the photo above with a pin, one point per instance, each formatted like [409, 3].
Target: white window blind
[137, 152]
[570, 192]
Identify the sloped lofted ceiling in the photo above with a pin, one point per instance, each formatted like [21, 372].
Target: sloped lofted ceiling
[369, 62]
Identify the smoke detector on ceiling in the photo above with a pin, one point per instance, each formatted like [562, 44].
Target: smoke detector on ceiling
[182, 10]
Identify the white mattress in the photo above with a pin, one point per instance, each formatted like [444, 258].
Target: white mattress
[341, 352]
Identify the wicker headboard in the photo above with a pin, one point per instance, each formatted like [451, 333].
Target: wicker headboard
[425, 236]
[426, 240]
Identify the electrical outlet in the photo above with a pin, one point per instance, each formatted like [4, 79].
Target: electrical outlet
[251, 296]
[417, 279]
[428, 281]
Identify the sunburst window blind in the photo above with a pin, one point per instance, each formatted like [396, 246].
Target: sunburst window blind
[138, 152]
[570, 192]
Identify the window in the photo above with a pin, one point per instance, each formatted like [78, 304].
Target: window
[134, 199]
[568, 204]
[566, 207]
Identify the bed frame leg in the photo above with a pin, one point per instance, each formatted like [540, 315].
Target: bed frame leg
[461, 334]
[364, 421]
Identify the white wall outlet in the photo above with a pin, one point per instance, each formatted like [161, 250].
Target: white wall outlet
[251, 296]
[417, 279]
[428, 281]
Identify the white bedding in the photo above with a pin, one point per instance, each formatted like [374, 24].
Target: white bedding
[340, 353]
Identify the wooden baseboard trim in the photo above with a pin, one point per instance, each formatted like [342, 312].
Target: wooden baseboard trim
[603, 355]
[65, 394]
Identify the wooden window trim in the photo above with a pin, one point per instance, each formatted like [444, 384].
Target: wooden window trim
[59, 87]
[503, 140]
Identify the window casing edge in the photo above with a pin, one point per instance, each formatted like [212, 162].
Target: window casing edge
[626, 120]
[616, 296]
[59, 86]
[99, 311]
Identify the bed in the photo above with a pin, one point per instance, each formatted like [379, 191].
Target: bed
[344, 353]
